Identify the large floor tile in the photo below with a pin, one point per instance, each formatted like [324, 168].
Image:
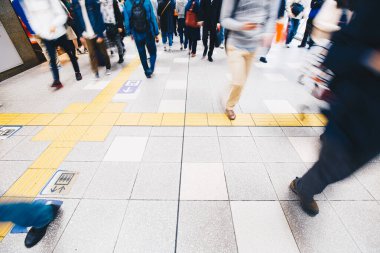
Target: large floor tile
[163, 149]
[113, 180]
[258, 224]
[266, 131]
[203, 181]
[167, 131]
[10, 171]
[205, 226]
[300, 132]
[89, 151]
[201, 149]
[26, 150]
[10, 143]
[347, 189]
[157, 181]
[149, 226]
[126, 149]
[239, 149]
[94, 227]
[248, 181]
[307, 148]
[233, 131]
[369, 176]
[200, 131]
[323, 233]
[276, 149]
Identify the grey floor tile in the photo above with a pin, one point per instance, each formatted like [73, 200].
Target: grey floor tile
[281, 174]
[167, 131]
[276, 149]
[201, 149]
[26, 150]
[15, 242]
[94, 227]
[10, 143]
[233, 131]
[163, 149]
[369, 176]
[10, 171]
[323, 233]
[348, 189]
[266, 131]
[300, 132]
[307, 148]
[200, 131]
[203, 181]
[29, 130]
[157, 181]
[362, 219]
[248, 181]
[257, 223]
[113, 180]
[239, 149]
[205, 226]
[149, 226]
[89, 151]
[319, 130]
[133, 131]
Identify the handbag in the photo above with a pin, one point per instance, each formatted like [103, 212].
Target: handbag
[191, 17]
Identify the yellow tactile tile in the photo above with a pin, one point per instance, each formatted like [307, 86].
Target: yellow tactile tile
[264, 119]
[63, 144]
[115, 107]
[286, 120]
[63, 119]
[97, 133]
[30, 183]
[76, 108]
[243, 120]
[173, 119]
[85, 119]
[49, 133]
[43, 119]
[151, 119]
[218, 119]
[322, 118]
[196, 119]
[309, 120]
[128, 119]
[6, 117]
[51, 158]
[22, 119]
[106, 119]
[95, 107]
[72, 133]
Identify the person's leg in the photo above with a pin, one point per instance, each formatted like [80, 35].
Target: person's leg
[194, 44]
[293, 30]
[103, 51]
[152, 50]
[205, 31]
[181, 24]
[120, 48]
[52, 52]
[222, 36]
[26, 214]
[212, 42]
[140, 44]
[170, 37]
[164, 38]
[309, 27]
[68, 46]
[91, 46]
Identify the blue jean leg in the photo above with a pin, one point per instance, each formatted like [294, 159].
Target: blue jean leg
[26, 214]
[51, 49]
[152, 50]
[181, 29]
[294, 24]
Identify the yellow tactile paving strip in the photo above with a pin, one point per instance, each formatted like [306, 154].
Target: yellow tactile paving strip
[92, 122]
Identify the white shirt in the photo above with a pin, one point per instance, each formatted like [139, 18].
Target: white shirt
[108, 13]
[43, 14]
[89, 33]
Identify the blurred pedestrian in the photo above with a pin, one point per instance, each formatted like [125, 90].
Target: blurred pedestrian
[296, 11]
[166, 13]
[315, 6]
[180, 8]
[193, 32]
[141, 24]
[251, 24]
[352, 137]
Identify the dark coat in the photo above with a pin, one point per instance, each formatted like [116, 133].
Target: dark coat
[210, 12]
[193, 33]
[166, 15]
[94, 14]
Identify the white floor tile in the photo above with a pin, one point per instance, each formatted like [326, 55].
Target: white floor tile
[181, 60]
[176, 85]
[307, 148]
[172, 106]
[96, 85]
[279, 106]
[275, 77]
[126, 149]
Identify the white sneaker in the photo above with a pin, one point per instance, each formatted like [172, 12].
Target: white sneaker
[221, 47]
[108, 72]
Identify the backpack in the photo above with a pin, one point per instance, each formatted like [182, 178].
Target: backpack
[297, 8]
[191, 17]
[138, 17]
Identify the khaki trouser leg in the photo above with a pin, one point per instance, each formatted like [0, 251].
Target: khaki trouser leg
[240, 63]
[91, 47]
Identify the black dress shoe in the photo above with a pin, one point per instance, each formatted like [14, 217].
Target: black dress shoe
[309, 205]
[78, 76]
[36, 234]
[263, 59]
[210, 59]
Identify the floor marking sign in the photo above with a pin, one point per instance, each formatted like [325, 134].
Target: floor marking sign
[128, 91]
[8, 131]
[61, 183]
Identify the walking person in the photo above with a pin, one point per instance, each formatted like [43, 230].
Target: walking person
[166, 13]
[296, 11]
[114, 22]
[48, 20]
[193, 31]
[315, 6]
[251, 24]
[91, 28]
[351, 138]
[38, 216]
[209, 15]
[180, 8]
[141, 24]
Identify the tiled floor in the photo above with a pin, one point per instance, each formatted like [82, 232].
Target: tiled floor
[211, 187]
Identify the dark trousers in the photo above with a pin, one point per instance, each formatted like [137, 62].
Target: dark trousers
[148, 42]
[193, 45]
[292, 31]
[114, 36]
[209, 31]
[93, 47]
[181, 30]
[51, 47]
[308, 31]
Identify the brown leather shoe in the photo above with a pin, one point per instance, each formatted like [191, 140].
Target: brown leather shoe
[230, 114]
[310, 206]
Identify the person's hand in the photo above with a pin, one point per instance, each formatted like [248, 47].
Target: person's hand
[200, 23]
[157, 39]
[99, 40]
[266, 40]
[53, 29]
[374, 61]
[218, 26]
[249, 26]
[120, 30]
